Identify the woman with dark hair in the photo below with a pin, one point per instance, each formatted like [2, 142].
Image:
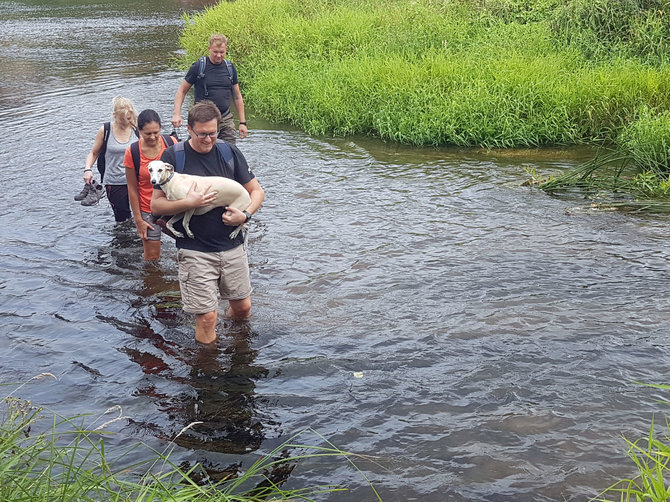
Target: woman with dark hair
[138, 155]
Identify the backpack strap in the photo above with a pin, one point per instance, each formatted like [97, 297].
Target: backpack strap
[229, 67]
[107, 126]
[227, 154]
[201, 78]
[179, 157]
[135, 153]
[101, 155]
[202, 63]
[224, 151]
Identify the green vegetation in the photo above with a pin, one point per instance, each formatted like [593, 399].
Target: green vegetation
[492, 73]
[498, 73]
[639, 167]
[651, 457]
[69, 461]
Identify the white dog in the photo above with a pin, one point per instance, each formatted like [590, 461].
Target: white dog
[176, 186]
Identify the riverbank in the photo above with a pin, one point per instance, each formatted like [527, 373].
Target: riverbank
[466, 73]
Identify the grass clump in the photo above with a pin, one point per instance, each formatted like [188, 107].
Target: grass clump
[639, 167]
[652, 483]
[68, 461]
[491, 73]
[648, 141]
[651, 457]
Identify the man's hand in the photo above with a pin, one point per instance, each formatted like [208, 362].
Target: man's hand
[234, 217]
[200, 198]
[176, 120]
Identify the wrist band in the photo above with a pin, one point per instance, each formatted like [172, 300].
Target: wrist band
[243, 122]
[88, 170]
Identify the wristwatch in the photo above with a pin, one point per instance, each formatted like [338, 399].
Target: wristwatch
[248, 215]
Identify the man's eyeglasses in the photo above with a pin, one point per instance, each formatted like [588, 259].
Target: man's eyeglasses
[203, 135]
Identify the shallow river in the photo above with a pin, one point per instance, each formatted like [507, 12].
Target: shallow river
[477, 339]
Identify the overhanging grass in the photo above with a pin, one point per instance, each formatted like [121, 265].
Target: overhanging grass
[651, 458]
[429, 73]
[68, 461]
[639, 167]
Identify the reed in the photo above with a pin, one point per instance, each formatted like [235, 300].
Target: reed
[639, 167]
[68, 461]
[651, 458]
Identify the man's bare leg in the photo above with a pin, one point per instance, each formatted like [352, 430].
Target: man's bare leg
[205, 327]
[239, 310]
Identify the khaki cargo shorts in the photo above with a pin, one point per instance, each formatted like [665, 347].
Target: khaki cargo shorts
[205, 276]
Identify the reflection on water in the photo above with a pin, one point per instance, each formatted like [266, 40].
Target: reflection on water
[217, 391]
[223, 378]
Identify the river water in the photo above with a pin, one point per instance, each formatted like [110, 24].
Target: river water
[475, 339]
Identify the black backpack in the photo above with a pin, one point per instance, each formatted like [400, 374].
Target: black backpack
[204, 93]
[101, 156]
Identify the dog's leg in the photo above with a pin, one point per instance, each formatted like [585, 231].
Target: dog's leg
[187, 220]
[244, 227]
[172, 220]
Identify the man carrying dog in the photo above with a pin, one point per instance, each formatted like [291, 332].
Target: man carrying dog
[215, 79]
[211, 263]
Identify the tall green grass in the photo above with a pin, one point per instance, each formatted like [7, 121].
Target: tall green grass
[497, 73]
[651, 459]
[640, 166]
[68, 461]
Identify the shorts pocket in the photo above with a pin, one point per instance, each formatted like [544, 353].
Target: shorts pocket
[183, 274]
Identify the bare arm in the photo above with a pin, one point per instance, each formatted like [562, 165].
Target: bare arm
[178, 102]
[93, 155]
[238, 102]
[234, 216]
[134, 197]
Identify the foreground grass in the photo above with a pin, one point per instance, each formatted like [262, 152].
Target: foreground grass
[651, 457]
[503, 73]
[68, 461]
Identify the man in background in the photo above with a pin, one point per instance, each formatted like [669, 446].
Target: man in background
[215, 79]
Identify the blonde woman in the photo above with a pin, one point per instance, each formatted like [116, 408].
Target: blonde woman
[108, 149]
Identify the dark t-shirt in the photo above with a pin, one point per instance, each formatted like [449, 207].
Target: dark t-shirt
[210, 233]
[218, 80]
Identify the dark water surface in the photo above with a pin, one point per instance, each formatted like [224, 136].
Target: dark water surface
[477, 338]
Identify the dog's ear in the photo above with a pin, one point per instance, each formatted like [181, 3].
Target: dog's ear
[169, 167]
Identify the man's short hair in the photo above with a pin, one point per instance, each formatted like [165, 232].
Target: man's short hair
[203, 111]
[218, 39]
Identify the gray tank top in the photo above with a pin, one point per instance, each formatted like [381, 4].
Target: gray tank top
[115, 172]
